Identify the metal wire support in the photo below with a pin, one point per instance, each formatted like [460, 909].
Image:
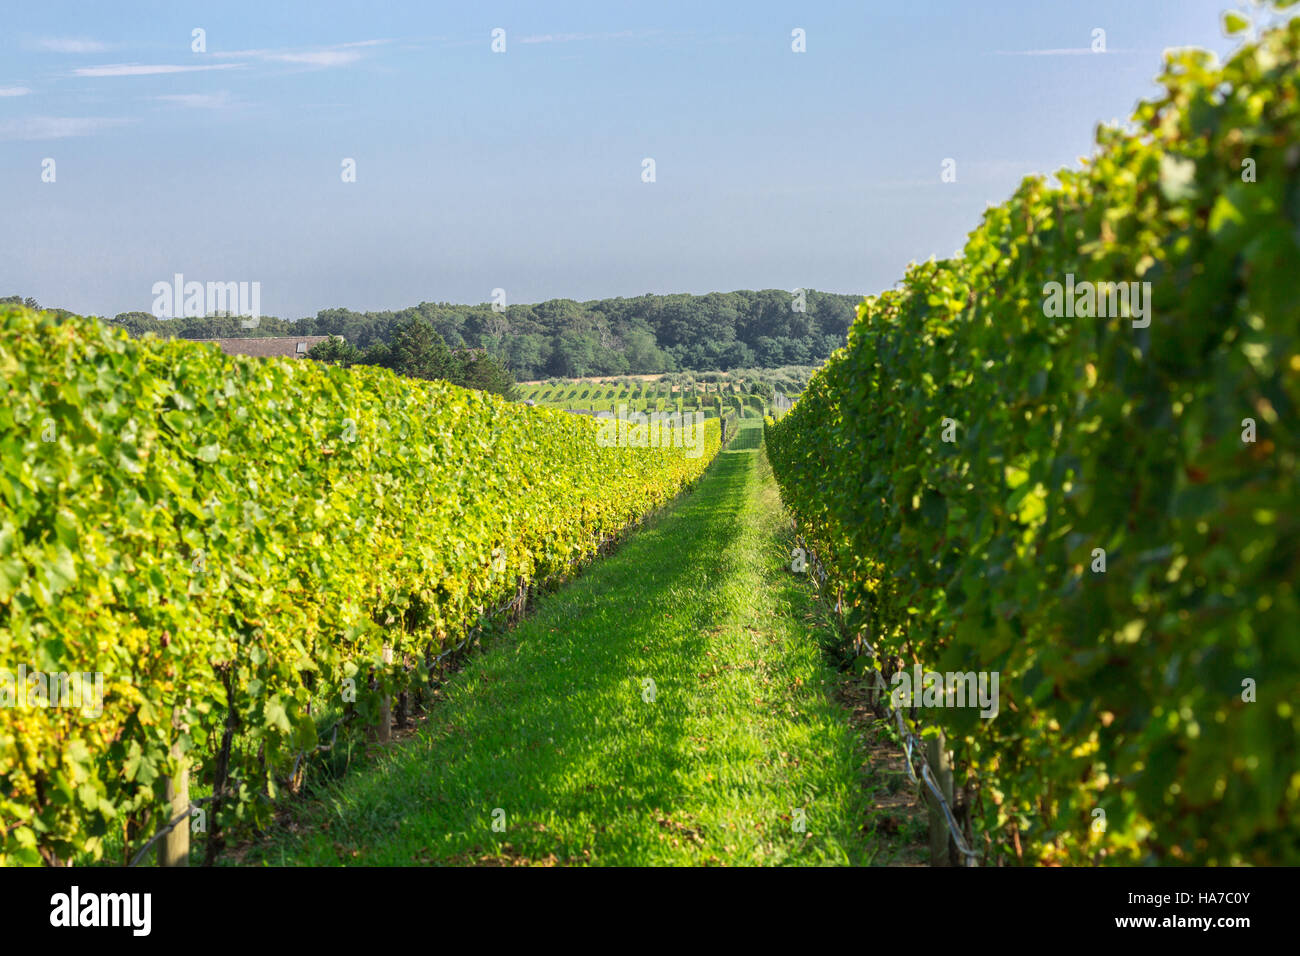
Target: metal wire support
[912, 748]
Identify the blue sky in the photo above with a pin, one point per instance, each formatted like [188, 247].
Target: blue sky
[522, 170]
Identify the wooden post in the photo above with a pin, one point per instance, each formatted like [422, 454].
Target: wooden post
[521, 597]
[174, 847]
[937, 756]
[386, 708]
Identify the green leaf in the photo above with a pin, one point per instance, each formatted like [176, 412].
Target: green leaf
[276, 716]
[1234, 23]
[1177, 178]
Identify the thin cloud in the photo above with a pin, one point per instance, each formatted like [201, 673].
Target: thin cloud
[239, 54]
[68, 45]
[56, 127]
[323, 58]
[1064, 51]
[201, 101]
[14, 91]
[144, 69]
[338, 54]
[570, 37]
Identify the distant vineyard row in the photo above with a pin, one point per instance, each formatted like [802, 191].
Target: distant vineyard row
[1099, 507]
[229, 544]
[714, 393]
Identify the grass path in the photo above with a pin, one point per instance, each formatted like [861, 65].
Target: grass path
[560, 730]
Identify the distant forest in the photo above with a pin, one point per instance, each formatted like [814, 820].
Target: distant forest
[564, 338]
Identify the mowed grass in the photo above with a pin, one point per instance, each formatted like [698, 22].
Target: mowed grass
[558, 734]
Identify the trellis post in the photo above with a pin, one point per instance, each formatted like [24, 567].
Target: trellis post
[174, 847]
[937, 757]
[386, 708]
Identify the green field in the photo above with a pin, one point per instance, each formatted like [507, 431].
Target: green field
[668, 707]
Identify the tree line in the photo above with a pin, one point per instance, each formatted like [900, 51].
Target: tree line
[564, 338]
[560, 337]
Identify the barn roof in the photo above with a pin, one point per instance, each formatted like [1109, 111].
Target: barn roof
[287, 346]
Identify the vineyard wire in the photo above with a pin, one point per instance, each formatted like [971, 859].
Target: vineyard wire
[914, 752]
